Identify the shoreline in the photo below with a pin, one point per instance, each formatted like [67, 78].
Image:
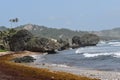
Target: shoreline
[6, 53]
[103, 75]
[18, 71]
[99, 74]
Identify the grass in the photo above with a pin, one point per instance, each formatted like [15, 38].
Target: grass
[1, 50]
[22, 72]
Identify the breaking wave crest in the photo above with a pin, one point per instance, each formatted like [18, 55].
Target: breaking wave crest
[114, 43]
[113, 54]
[111, 48]
[60, 65]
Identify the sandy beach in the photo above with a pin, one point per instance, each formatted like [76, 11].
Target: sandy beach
[17, 71]
[103, 75]
[5, 53]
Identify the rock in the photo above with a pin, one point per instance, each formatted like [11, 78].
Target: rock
[85, 40]
[24, 40]
[63, 45]
[76, 41]
[89, 40]
[42, 45]
[2, 47]
[19, 40]
[25, 59]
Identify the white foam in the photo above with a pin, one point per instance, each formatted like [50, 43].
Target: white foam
[36, 56]
[95, 55]
[85, 50]
[60, 65]
[111, 43]
[117, 55]
[102, 42]
[114, 54]
[79, 50]
[114, 43]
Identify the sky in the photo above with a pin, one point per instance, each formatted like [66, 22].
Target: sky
[87, 15]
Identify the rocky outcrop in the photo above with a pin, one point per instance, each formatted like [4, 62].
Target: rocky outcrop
[76, 41]
[85, 40]
[42, 45]
[89, 40]
[63, 44]
[24, 40]
[19, 40]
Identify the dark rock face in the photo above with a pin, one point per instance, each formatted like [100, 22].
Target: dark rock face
[2, 47]
[85, 40]
[42, 45]
[24, 40]
[19, 40]
[89, 40]
[76, 40]
[63, 45]
[25, 59]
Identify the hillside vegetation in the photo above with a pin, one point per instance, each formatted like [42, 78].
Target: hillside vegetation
[42, 31]
[108, 34]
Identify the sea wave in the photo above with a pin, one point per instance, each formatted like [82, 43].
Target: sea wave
[109, 43]
[40, 55]
[94, 49]
[85, 49]
[114, 43]
[60, 65]
[113, 54]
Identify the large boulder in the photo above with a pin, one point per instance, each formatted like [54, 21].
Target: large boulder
[19, 40]
[85, 40]
[89, 40]
[42, 45]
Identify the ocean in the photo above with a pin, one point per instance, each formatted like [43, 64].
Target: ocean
[104, 56]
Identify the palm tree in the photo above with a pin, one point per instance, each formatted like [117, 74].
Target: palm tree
[16, 20]
[13, 21]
